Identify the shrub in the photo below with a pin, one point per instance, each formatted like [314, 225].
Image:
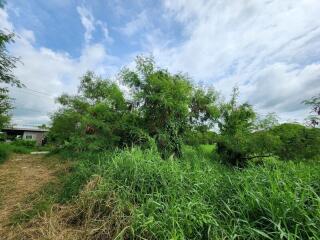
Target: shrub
[4, 153]
[196, 138]
[19, 149]
[2, 137]
[24, 143]
[297, 142]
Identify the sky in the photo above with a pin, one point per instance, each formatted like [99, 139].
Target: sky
[270, 49]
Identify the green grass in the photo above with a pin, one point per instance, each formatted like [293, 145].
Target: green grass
[4, 153]
[138, 195]
[20, 147]
[7, 148]
[134, 194]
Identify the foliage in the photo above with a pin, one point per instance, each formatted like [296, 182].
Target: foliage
[24, 143]
[5, 107]
[3, 137]
[159, 108]
[7, 64]
[297, 141]
[94, 119]
[197, 137]
[135, 195]
[267, 122]
[162, 100]
[204, 110]
[7, 148]
[239, 140]
[19, 149]
[64, 126]
[314, 102]
[4, 153]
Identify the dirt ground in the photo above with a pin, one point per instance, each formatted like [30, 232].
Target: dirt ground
[20, 176]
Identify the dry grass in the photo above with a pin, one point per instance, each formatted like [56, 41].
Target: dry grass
[21, 176]
[78, 220]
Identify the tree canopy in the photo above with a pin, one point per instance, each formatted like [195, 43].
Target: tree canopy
[150, 107]
[7, 64]
[158, 105]
[314, 119]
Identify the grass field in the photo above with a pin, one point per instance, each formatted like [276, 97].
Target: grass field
[134, 194]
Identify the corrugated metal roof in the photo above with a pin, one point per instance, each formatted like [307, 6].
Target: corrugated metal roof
[25, 129]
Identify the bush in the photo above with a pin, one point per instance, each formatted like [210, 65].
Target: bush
[4, 153]
[24, 143]
[297, 141]
[2, 137]
[19, 149]
[195, 138]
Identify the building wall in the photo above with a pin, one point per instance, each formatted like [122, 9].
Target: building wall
[34, 136]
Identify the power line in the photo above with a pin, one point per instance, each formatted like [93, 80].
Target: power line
[35, 92]
[29, 109]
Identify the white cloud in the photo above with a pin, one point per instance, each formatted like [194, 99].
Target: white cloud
[49, 73]
[134, 26]
[270, 49]
[4, 23]
[87, 21]
[105, 31]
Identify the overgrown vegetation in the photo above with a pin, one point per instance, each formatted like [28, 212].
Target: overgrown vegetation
[159, 107]
[7, 64]
[169, 110]
[134, 194]
[19, 146]
[4, 153]
[148, 149]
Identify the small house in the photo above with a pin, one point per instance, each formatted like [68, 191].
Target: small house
[34, 134]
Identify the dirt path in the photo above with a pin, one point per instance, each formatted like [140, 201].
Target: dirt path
[20, 176]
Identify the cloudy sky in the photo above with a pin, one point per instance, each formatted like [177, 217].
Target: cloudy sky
[270, 49]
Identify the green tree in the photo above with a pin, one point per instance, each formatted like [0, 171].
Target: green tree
[314, 119]
[94, 119]
[7, 64]
[159, 107]
[267, 122]
[297, 141]
[242, 137]
[5, 106]
[163, 101]
[204, 110]
[236, 123]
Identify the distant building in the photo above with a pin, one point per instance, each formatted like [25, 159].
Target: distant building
[33, 134]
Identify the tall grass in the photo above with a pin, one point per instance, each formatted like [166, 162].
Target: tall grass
[134, 194]
[7, 148]
[4, 153]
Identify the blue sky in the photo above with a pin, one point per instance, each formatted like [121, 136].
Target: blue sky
[60, 25]
[270, 49]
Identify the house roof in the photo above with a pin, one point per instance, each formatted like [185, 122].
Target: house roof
[25, 129]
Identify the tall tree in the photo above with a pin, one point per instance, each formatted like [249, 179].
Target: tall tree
[7, 64]
[236, 123]
[163, 100]
[241, 138]
[314, 119]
